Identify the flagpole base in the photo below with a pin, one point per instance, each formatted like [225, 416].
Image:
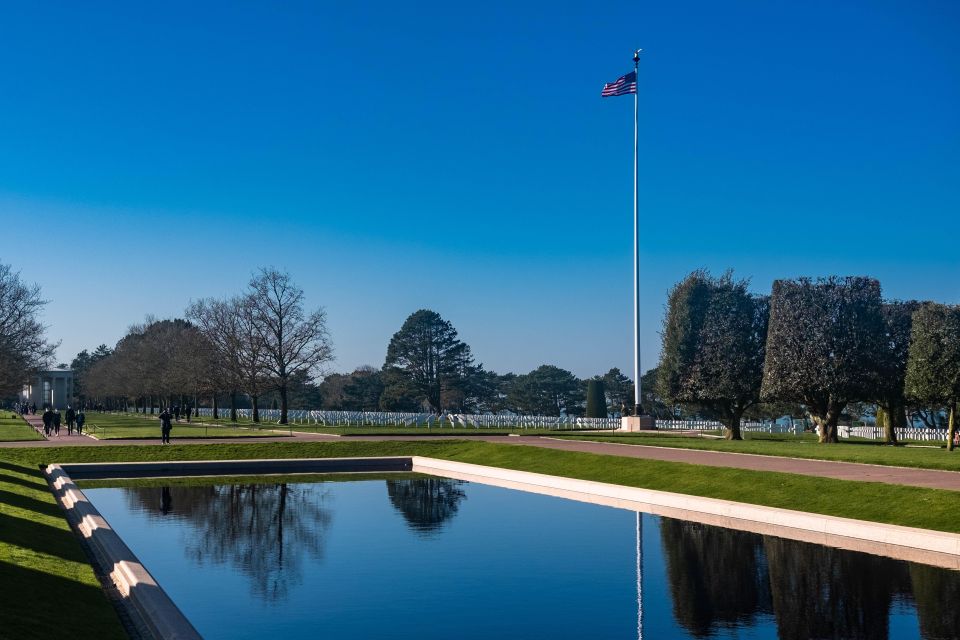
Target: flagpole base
[637, 423]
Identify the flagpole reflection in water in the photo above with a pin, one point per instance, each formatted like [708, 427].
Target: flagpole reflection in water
[639, 576]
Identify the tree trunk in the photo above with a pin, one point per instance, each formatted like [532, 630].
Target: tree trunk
[732, 428]
[216, 413]
[255, 401]
[283, 404]
[952, 425]
[233, 406]
[281, 511]
[150, 398]
[894, 415]
[828, 423]
[830, 431]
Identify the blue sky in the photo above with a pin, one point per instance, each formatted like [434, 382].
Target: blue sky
[458, 157]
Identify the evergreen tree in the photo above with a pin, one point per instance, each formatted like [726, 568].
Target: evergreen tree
[824, 345]
[933, 364]
[714, 336]
[596, 400]
[426, 362]
[898, 321]
[547, 391]
[619, 391]
[363, 389]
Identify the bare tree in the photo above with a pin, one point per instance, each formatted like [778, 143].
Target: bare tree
[220, 323]
[294, 342]
[159, 360]
[23, 344]
[252, 355]
[230, 328]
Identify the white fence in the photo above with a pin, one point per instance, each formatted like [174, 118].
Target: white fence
[903, 433]
[714, 425]
[496, 421]
[425, 420]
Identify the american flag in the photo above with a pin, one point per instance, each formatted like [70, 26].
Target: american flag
[623, 86]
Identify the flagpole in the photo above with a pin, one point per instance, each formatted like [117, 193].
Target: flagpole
[636, 242]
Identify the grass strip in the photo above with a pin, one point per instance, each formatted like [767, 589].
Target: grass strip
[106, 426]
[15, 429]
[806, 447]
[47, 585]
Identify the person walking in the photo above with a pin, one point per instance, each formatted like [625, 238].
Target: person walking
[71, 419]
[47, 421]
[165, 427]
[81, 418]
[57, 419]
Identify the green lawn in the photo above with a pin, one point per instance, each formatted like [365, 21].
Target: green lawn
[44, 573]
[803, 446]
[111, 426]
[14, 428]
[47, 586]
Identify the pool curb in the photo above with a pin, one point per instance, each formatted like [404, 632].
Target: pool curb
[141, 596]
[912, 544]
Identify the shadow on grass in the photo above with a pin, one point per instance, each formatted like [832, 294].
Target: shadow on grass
[42, 538]
[39, 484]
[17, 468]
[29, 504]
[37, 604]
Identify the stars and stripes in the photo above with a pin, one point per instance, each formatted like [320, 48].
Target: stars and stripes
[622, 86]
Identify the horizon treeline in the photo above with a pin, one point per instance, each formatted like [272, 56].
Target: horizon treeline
[216, 358]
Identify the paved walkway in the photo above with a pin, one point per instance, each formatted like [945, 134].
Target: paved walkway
[36, 421]
[929, 478]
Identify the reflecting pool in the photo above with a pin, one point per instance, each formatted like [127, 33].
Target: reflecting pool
[438, 558]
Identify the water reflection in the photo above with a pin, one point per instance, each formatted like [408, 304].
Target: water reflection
[718, 577]
[426, 503]
[723, 579]
[820, 592]
[937, 594]
[264, 531]
[720, 582]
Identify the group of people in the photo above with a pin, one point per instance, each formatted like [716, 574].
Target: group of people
[52, 421]
[25, 408]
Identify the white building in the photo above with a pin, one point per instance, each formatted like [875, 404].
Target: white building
[52, 388]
